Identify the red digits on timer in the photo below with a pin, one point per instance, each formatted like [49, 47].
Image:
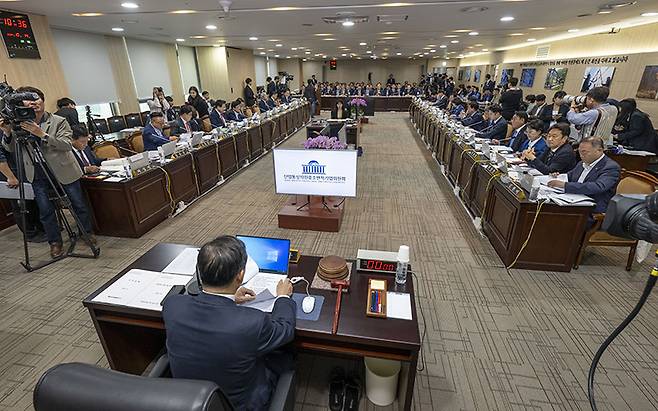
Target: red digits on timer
[379, 265]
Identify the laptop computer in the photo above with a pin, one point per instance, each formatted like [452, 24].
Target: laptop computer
[271, 255]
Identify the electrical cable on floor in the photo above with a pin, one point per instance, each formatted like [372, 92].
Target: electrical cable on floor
[422, 337]
[651, 281]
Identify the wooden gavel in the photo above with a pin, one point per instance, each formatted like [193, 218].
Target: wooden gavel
[340, 284]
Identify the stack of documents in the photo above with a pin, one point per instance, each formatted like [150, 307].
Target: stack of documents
[565, 199]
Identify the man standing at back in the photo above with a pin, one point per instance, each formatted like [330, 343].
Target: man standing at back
[211, 337]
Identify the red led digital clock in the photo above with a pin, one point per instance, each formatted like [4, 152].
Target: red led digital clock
[17, 34]
[377, 261]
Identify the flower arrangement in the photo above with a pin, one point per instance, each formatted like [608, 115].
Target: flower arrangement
[324, 142]
[357, 107]
[357, 102]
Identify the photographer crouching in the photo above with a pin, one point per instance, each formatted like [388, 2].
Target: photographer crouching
[53, 135]
[592, 115]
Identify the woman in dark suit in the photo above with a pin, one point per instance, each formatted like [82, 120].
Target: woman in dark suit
[195, 100]
[634, 128]
[339, 111]
[249, 96]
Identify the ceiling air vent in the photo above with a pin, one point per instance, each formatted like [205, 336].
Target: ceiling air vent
[392, 18]
[543, 52]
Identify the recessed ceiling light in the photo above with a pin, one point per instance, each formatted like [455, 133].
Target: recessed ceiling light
[117, 28]
[344, 55]
[363, 44]
[303, 59]
[329, 39]
[516, 34]
[442, 46]
[649, 14]
[478, 45]
[604, 11]
[276, 55]
[537, 28]
[485, 49]
[432, 51]
[454, 41]
[573, 30]
[87, 14]
[198, 37]
[270, 50]
[368, 51]
[507, 18]
[183, 11]
[180, 39]
[307, 52]
[469, 47]
[284, 8]
[398, 54]
[431, 45]
[348, 23]
[293, 48]
[390, 33]
[253, 38]
[262, 53]
[287, 57]
[461, 31]
[274, 40]
[260, 48]
[129, 5]
[211, 27]
[473, 33]
[322, 34]
[450, 36]
[531, 40]
[278, 45]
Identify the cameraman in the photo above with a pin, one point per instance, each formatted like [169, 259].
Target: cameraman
[53, 136]
[597, 118]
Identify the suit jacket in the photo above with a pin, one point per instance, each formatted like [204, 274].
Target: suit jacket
[600, 183]
[475, 121]
[546, 115]
[249, 98]
[441, 102]
[540, 146]
[209, 337]
[91, 157]
[561, 161]
[345, 113]
[153, 138]
[178, 127]
[56, 147]
[286, 100]
[520, 139]
[235, 116]
[638, 133]
[271, 88]
[271, 103]
[496, 131]
[263, 106]
[217, 120]
[489, 85]
[510, 101]
[70, 114]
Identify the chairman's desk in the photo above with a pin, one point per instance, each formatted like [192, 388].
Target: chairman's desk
[375, 103]
[132, 338]
[507, 216]
[132, 207]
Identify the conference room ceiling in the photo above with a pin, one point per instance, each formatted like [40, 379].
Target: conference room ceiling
[295, 28]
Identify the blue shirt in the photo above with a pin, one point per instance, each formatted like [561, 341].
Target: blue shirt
[587, 117]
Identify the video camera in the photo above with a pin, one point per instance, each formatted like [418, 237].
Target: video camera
[633, 217]
[12, 109]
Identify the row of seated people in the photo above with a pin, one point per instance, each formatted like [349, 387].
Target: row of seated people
[363, 89]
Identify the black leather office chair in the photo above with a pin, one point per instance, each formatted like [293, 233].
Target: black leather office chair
[134, 120]
[101, 125]
[116, 123]
[83, 387]
[145, 117]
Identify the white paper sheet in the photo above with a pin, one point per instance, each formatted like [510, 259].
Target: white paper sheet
[114, 179]
[264, 281]
[184, 263]
[398, 305]
[141, 289]
[264, 301]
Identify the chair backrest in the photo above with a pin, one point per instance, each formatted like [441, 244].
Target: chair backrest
[101, 125]
[116, 123]
[145, 117]
[77, 387]
[205, 124]
[106, 149]
[134, 120]
[637, 182]
[136, 142]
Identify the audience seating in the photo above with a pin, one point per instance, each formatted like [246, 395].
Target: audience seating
[134, 120]
[136, 142]
[106, 149]
[116, 123]
[205, 124]
[632, 182]
[101, 125]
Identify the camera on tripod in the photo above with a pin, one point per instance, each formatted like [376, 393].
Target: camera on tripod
[633, 217]
[12, 109]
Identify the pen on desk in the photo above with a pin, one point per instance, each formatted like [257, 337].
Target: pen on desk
[379, 301]
[373, 298]
[376, 301]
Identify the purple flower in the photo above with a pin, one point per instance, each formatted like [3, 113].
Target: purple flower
[324, 142]
[358, 102]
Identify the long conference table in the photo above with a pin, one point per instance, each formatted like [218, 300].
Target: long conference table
[132, 207]
[378, 103]
[506, 214]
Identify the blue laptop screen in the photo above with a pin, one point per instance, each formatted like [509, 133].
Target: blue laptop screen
[271, 254]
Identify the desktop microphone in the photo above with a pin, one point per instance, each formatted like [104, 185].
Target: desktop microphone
[475, 124]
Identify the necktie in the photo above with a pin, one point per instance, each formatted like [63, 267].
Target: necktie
[83, 157]
[549, 157]
[187, 127]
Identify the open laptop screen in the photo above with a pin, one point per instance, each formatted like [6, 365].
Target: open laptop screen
[271, 254]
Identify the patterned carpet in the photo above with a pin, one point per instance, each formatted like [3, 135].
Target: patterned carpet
[496, 340]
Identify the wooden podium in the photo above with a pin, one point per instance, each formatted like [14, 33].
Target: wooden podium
[310, 213]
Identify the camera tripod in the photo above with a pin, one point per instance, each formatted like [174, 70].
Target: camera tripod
[26, 144]
[92, 127]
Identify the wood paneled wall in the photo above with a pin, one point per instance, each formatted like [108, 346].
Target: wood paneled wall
[240, 66]
[213, 71]
[46, 74]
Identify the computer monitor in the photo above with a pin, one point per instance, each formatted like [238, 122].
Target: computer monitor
[271, 254]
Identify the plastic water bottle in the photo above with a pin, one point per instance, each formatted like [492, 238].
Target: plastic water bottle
[403, 265]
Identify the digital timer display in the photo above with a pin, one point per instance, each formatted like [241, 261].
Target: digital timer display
[17, 34]
[377, 265]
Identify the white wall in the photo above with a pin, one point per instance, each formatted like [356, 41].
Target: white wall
[187, 61]
[260, 65]
[310, 68]
[357, 70]
[272, 67]
[87, 67]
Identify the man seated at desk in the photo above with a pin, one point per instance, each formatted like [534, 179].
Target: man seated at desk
[519, 135]
[473, 118]
[152, 134]
[263, 104]
[559, 158]
[235, 114]
[89, 163]
[185, 122]
[497, 127]
[211, 337]
[217, 116]
[285, 98]
[596, 176]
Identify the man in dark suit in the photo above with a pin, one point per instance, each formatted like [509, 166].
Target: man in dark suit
[249, 95]
[270, 86]
[497, 128]
[556, 112]
[489, 84]
[185, 123]
[263, 105]
[272, 101]
[518, 137]
[152, 134]
[66, 109]
[473, 117]
[217, 118]
[234, 114]
[89, 163]
[211, 337]
[596, 176]
[441, 101]
[559, 158]
[540, 103]
[285, 98]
